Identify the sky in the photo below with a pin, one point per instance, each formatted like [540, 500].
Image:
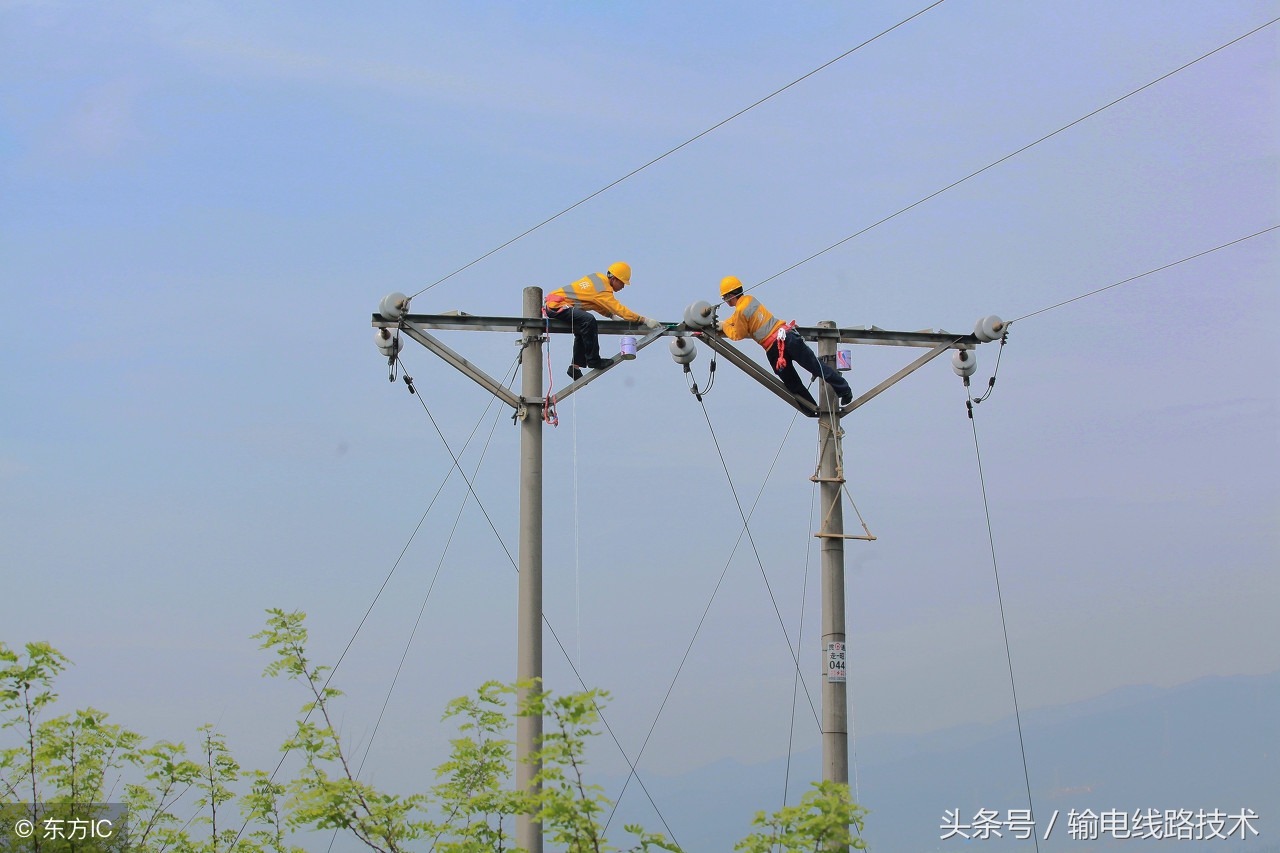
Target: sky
[202, 203]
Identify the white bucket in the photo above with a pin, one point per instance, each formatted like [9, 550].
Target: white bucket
[843, 360]
[628, 348]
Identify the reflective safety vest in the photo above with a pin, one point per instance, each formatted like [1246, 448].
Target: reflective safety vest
[592, 293]
[752, 320]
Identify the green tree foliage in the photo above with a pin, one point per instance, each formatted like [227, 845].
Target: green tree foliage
[208, 803]
[479, 810]
[327, 794]
[825, 819]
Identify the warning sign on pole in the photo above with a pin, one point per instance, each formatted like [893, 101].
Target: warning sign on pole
[835, 661]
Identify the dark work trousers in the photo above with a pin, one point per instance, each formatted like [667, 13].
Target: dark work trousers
[586, 335]
[796, 352]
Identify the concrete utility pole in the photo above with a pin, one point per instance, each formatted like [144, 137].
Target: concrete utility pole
[835, 698]
[529, 608]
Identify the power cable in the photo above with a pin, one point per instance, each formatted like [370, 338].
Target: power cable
[697, 629]
[751, 539]
[995, 569]
[416, 622]
[609, 728]
[381, 588]
[991, 383]
[547, 622]
[795, 684]
[668, 153]
[1009, 156]
[431, 587]
[403, 550]
[577, 572]
[409, 381]
[768, 587]
[1147, 273]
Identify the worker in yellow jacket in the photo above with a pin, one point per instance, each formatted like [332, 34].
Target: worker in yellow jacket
[593, 293]
[783, 347]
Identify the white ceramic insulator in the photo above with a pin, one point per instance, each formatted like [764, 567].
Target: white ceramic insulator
[393, 306]
[988, 329]
[683, 350]
[388, 342]
[964, 362]
[699, 315]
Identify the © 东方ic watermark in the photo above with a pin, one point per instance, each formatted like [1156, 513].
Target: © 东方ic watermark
[1179, 824]
[90, 826]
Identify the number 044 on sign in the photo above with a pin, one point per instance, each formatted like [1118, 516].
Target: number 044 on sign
[835, 662]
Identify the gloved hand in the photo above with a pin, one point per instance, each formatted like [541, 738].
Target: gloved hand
[651, 323]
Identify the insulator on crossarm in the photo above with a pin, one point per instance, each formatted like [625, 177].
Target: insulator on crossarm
[964, 362]
[683, 349]
[989, 329]
[388, 341]
[393, 306]
[699, 315]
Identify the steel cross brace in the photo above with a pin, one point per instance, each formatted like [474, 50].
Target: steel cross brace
[484, 380]
[765, 378]
[758, 373]
[593, 375]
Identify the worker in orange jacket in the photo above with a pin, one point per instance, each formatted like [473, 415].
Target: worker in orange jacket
[593, 293]
[783, 347]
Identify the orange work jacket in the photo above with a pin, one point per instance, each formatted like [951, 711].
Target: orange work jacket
[592, 293]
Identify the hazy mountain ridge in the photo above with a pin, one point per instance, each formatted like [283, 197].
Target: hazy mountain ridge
[1211, 743]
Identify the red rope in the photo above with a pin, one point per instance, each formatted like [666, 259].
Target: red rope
[549, 407]
[781, 337]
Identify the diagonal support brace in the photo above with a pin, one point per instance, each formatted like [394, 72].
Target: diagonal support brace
[895, 378]
[593, 375]
[757, 373]
[483, 379]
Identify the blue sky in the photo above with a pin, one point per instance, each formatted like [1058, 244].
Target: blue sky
[204, 202]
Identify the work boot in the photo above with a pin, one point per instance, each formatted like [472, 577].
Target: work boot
[596, 363]
[574, 372]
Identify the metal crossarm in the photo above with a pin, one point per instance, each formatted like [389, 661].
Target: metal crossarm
[461, 321]
[852, 335]
[884, 337]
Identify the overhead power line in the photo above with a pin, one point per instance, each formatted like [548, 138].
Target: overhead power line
[1147, 273]
[698, 628]
[687, 142]
[1004, 626]
[1011, 155]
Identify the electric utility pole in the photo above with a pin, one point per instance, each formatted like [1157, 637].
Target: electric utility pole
[529, 606]
[532, 407]
[835, 698]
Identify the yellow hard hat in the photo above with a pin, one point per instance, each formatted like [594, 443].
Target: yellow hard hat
[622, 271]
[728, 285]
